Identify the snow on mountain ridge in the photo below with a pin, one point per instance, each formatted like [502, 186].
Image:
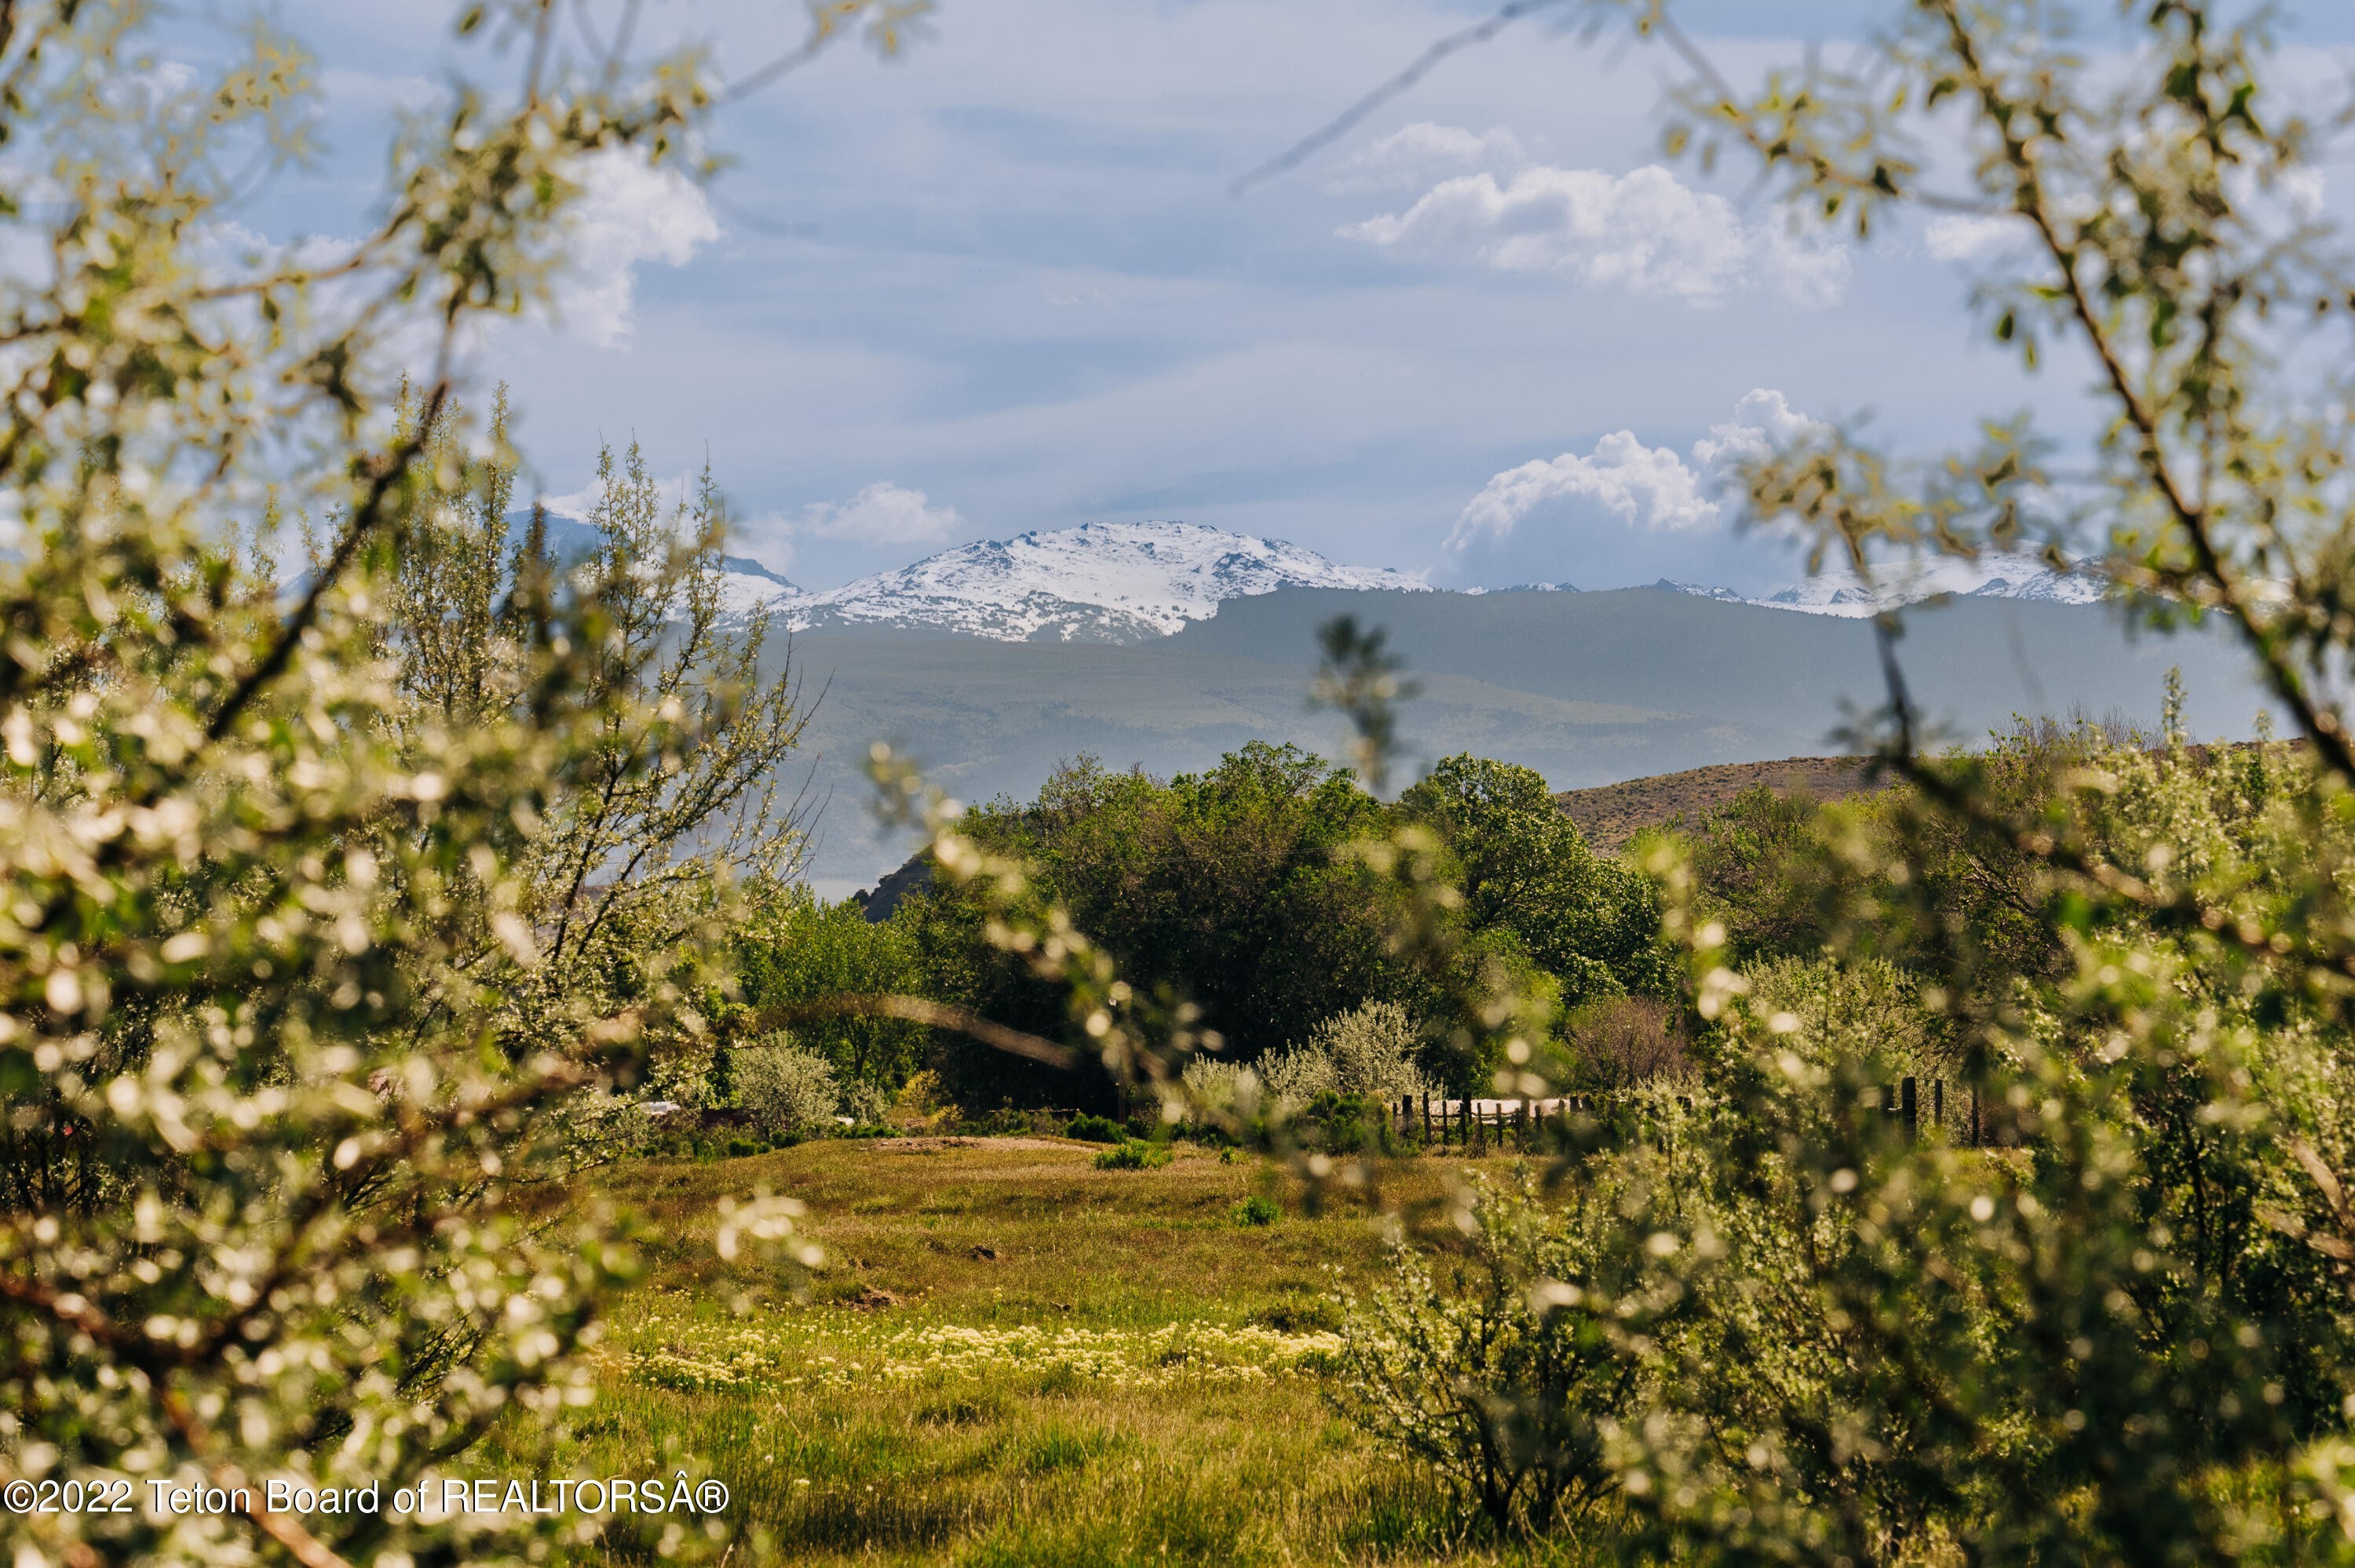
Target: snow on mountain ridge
[1702, 591]
[1100, 582]
[2000, 577]
[1131, 582]
[1841, 593]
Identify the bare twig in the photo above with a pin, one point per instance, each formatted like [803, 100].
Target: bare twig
[366, 520]
[1347, 119]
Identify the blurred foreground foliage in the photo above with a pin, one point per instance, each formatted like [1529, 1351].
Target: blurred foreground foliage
[1773, 1327]
[337, 893]
[340, 903]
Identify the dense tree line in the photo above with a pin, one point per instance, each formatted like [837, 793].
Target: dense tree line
[1233, 890]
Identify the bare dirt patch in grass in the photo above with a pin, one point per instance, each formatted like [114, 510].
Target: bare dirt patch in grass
[942, 1145]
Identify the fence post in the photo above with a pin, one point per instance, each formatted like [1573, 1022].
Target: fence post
[1479, 1130]
[1426, 1117]
[1938, 1104]
[1913, 1111]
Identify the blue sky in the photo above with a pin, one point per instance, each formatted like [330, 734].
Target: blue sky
[999, 285]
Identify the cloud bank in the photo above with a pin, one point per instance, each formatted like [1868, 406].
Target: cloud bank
[1422, 153]
[1969, 238]
[883, 512]
[1650, 488]
[1645, 231]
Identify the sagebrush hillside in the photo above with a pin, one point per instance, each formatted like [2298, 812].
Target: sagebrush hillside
[1610, 814]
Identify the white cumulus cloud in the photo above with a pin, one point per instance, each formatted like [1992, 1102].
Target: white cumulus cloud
[885, 514]
[1649, 487]
[1646, 231]
[1631, 480]
[1762, 422]
[1966, 238]
[629, 211]
[1418, 153]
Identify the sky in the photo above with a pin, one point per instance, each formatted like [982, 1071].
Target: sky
[1000, 284]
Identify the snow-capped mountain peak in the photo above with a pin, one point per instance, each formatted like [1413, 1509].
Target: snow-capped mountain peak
[1702, 590]
[1525, 587]
[1100, 582]
[1902, 583]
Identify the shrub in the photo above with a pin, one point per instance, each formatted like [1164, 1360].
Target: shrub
[1629, 1041]
[1214, 1088]
[1006, 1121]
[1504, 1378]
[1367, 1051]
[788, 1090]
[1090, 1129]
[1864, 1010]
[1258, 1209]
[1133, 1155]
[919, 1102]
[866, 1104]
[1315, 1315]
[1348, 1124]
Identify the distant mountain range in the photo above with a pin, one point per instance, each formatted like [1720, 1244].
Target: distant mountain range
[1133, 582]
[1910, 582]
[1163, 645]
[1100, 582]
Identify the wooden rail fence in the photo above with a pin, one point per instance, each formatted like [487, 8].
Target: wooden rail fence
[1475, 1123]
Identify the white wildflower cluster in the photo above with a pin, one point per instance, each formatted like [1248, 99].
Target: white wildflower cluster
[789, 1351]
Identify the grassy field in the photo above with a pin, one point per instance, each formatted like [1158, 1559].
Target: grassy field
[1014, 1358]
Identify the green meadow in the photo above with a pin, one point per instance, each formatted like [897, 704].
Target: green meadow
[1011, 1357]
